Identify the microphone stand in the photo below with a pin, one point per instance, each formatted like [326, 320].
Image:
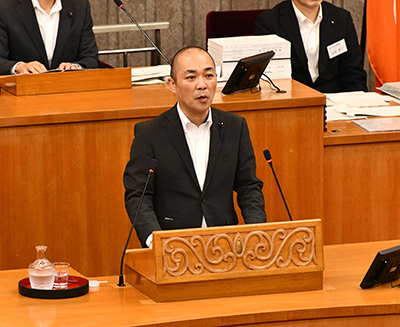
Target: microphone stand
[153, 165]
[121, 5]
[268, 157]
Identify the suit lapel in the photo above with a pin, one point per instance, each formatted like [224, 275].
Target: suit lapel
[288, 21]
[26, 12]
[326, 29]
[216, 138]
[174, 129]
[66, 15]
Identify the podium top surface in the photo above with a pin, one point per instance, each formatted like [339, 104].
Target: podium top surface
[140, 102]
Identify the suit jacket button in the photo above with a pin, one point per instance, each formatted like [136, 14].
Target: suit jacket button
[203, 200]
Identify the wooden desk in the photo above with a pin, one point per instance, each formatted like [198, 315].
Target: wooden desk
[341, 303]
[361, 184]
[63, 157]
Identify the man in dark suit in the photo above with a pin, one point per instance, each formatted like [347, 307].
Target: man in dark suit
[203, 155]
[23, 48]
[327, 58]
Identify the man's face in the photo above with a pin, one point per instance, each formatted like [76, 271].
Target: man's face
[195, 83]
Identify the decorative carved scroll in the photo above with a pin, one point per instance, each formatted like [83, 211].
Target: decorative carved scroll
[228, 252]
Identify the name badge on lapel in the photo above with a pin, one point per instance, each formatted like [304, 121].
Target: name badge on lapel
[337, 48]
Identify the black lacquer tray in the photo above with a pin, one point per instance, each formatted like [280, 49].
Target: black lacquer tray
[77, 286]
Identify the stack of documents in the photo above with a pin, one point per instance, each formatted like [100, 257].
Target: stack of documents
[228, 51]
[150, 75]
[359, 105]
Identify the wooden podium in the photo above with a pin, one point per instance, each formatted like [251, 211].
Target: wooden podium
[67, 81]
[226, 261]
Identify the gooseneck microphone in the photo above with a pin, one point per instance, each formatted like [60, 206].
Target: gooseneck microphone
[121, 5]
[153, 165]
[267, 156]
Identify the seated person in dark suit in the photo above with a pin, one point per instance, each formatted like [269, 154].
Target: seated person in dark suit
[203, 154]
[38, 35]
[325, 53]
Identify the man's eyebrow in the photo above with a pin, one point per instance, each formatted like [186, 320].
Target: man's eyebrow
[190, 71]
[193, 71]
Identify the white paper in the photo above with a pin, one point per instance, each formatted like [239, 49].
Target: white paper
[372, 111]
[339, 112]
[357, 99]
[151, 72]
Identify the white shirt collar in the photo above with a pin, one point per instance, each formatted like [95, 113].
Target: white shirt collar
[301, 18]
[56, 7]
[185, 121]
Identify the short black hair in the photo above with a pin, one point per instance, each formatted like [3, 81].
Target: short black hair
[178, 53]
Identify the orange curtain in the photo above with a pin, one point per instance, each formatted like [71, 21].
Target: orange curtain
[383, 39]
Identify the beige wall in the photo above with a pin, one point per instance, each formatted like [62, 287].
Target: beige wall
[187, 22]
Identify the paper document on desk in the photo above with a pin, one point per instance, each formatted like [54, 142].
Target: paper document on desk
[372, 111]
[356, 99]
[379, 124]
[150, 75]
[339, 112]
[357, 105]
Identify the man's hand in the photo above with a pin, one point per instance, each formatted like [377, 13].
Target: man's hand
[32, 67]
[68, 66]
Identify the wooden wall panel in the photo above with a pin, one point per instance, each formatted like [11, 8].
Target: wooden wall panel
[63, 180]
[277, 131]
[361, 182]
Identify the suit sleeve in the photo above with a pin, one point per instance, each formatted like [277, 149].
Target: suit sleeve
[88, 51]
[247, 186]
[135, 177]
[5, 63]
[352, 76]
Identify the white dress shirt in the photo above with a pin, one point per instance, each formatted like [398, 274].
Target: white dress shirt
[48, 26]
[310, 35]
[198, 140]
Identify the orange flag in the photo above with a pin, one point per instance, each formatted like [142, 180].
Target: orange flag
[383, 39]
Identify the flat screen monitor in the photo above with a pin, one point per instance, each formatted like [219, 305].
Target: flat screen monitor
[247, 72]
[384, 268]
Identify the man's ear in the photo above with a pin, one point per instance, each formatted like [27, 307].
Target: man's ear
[172, 85]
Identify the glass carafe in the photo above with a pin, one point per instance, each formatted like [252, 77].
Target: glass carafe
[41, 271]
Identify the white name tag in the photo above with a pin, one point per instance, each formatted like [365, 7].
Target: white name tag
[337, 48]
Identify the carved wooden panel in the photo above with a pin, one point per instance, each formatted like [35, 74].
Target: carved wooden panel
[224, 252]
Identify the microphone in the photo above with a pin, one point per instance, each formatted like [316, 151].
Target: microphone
[153, 165]
[267, 156]
[121, 5]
